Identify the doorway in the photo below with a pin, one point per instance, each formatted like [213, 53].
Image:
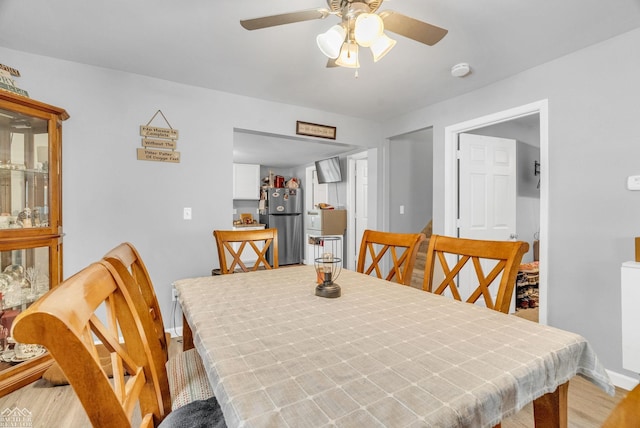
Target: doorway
[540, 109]
[357, 195]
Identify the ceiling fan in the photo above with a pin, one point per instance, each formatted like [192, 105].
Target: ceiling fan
[360, 26]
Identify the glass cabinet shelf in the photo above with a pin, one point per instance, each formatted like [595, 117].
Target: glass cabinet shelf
[32, 210]
[24, 170]
[24, 278]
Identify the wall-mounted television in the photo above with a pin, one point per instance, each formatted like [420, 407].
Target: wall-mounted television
[328, 170]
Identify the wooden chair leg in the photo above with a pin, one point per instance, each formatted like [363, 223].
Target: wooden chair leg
[550, 410]
[187, 336]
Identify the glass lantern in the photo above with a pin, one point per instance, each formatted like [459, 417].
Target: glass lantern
[328, 266]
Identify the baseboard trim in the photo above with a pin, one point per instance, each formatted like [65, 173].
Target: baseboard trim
[622, 381]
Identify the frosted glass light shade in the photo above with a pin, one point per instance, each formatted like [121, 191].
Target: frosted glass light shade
[331, 41]
[349, 55]
[381, 46]
[368, 28]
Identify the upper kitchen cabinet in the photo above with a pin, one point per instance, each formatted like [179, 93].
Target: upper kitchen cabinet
[246, 181]
[30, 225]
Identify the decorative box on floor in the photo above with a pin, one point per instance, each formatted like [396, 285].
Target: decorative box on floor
[527, 286]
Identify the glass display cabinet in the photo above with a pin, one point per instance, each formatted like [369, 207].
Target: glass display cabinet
[30, 225]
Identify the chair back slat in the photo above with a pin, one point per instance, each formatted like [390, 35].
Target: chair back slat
[400, 249]
[125, 262]
[505, 257]
[257, 241]
[127, 254]
[157, 348]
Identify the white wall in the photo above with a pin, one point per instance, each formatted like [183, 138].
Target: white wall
[110, 197]
[593, 147]
[411, 181]
[528, 197]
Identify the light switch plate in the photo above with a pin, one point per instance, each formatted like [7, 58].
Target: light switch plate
[633, 182]
[187, 214]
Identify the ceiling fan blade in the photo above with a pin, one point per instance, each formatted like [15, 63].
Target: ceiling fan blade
[284, 18]
[412, 28]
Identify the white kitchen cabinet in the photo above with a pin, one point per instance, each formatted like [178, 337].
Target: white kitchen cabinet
[246, 181]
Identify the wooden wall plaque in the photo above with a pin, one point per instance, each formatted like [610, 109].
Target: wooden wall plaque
[159, 155]
[154, 131]
[159, 144]
[315, 130]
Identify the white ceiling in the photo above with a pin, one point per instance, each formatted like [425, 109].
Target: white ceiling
[201, 43]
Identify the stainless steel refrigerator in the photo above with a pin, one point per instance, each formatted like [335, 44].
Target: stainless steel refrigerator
[284, 212]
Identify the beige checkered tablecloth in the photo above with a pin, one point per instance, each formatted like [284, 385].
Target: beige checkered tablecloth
[381, 355]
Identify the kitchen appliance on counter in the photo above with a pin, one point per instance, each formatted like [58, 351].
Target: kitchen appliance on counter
[327, 222]
[283, 211]
[323, 224]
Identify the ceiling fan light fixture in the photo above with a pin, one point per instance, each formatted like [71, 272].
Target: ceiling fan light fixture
[368, 28]
[348, 55]
[381, 46]
[331, 41]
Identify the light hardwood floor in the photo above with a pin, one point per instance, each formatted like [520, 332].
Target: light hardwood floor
[59, 407]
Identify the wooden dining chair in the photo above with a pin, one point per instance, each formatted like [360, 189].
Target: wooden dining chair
[398, 249]
[66, 321]
[626, 414]
[497, 257]
[96, 308]
[185, 379]
[232, 243]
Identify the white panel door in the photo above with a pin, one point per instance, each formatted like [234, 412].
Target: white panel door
[487, 187]
[487, 192]
[361, 214]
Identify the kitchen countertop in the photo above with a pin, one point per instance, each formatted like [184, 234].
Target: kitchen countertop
[242, 226]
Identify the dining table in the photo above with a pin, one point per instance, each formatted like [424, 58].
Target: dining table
[380, 355]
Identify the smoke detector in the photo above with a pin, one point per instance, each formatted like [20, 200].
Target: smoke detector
[460, 70]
